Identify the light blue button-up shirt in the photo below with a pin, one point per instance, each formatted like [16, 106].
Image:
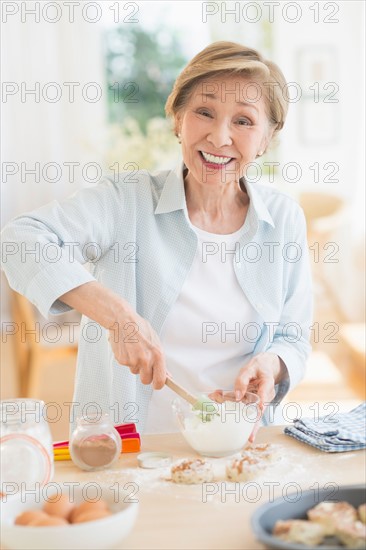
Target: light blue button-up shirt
[131, 234]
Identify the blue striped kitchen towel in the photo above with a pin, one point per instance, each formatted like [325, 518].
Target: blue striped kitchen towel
[335, 434]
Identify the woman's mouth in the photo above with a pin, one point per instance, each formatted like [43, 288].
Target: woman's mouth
[215, 160]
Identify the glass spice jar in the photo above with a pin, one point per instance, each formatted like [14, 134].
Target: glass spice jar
[95, 443]
[25, 444]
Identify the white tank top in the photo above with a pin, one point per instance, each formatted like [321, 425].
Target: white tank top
[210, 330]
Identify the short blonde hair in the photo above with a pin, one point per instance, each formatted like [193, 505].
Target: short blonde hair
[230, 58]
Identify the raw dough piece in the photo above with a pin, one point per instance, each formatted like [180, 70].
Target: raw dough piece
[267, 452]
[244, 468]
[192, 471]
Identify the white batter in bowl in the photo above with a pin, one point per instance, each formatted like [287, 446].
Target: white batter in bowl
[227, 429]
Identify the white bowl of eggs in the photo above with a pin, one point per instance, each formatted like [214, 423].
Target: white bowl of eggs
[61, 516]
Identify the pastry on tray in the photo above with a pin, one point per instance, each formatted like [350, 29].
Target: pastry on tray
[331, 514]
[337, 519]
[362, 512]
[299, 531]
[352, 535]
[192, 471]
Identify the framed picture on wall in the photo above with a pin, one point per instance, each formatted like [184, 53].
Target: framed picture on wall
[319, 110]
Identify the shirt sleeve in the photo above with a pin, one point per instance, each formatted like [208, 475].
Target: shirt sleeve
[291, 336]
[44, 251]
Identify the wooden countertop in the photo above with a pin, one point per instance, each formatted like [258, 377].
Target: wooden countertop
[216, 515]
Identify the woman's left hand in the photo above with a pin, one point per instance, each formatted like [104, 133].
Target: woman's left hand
[260, 376]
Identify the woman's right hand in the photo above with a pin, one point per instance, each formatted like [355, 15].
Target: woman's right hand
[136, 345]
[133, 340]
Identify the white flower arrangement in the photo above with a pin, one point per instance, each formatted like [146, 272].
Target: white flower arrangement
[157, 149]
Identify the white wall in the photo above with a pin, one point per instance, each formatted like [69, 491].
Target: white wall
[47, 132]
[44, 132]
[346, 40]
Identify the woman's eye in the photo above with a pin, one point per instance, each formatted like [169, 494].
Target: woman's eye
[204, 113]
[244, 122]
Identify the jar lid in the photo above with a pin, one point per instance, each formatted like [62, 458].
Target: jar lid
[24, 460]
[153, 460]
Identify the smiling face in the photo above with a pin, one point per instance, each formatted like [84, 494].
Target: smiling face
[223, 127]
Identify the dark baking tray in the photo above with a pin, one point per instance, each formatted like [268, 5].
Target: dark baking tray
[265, 517]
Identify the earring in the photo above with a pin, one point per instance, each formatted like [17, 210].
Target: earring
[179, 140]
[260, 153]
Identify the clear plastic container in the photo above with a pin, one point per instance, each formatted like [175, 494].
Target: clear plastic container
[25, 445]
[95, 444]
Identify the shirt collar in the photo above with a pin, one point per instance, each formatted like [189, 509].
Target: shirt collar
[173, 196]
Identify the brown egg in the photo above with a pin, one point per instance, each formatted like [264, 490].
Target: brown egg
[47, 521]
[26, 517]
[92, 515]
[60, 507]
[86, 507]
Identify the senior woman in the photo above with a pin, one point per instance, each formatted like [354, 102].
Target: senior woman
[196, 272]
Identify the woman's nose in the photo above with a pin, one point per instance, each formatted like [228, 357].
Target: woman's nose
[219, 134]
